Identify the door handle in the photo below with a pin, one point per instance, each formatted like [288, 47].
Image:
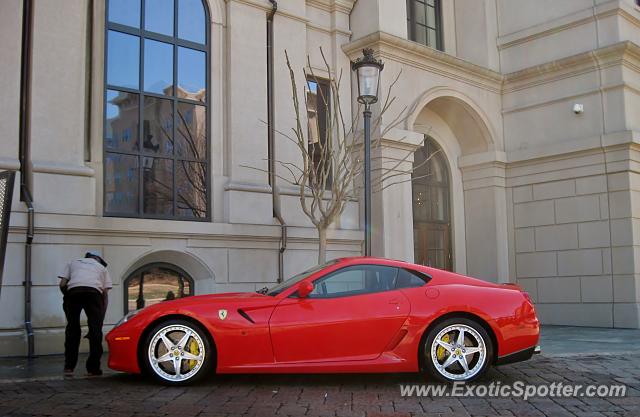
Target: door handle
[394, 301]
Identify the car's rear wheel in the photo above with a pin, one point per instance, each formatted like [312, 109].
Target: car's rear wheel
[177, 352]
[457, 349]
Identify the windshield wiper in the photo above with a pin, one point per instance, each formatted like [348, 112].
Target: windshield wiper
[263, 290]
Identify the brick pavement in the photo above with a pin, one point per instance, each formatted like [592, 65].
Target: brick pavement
[326, 395]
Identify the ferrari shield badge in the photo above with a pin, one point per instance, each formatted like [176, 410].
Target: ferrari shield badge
[222, 314]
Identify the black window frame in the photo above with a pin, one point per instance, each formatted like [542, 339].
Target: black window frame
[175, 42]
[164, 265]
[323, 85]
[412, 22]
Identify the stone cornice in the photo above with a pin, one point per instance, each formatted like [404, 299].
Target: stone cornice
[410, 53]
[582, 17]
[331, 6]
[623, 53]
[118, 228]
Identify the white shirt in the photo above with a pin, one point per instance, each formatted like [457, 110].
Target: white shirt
[87, 272]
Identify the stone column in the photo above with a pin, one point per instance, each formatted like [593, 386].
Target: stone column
[623, 205]
[485, 210]
[392, 216]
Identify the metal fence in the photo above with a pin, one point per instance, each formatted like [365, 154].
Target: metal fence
[6, 193]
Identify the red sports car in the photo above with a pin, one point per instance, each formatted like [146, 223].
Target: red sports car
[348, 315]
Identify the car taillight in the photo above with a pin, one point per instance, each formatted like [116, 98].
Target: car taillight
[527, 296]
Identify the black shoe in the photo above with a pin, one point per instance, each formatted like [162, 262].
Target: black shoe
[94, 373]
[68, 372]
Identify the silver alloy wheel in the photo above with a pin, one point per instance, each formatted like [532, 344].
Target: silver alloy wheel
[465, 352]
[171, 353]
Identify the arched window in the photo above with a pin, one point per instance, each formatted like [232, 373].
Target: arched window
[156, 142]
[431, 207]
[424, 22]
[155, 283]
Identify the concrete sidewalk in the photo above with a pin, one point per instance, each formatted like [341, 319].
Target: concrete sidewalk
[556, 341]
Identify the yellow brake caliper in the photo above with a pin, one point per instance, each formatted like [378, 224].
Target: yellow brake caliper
[440, 351]
[193, 349]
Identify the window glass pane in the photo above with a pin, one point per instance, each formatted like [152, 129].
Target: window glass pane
[123, 60]
[158, 126]
[432, 38]
[135, 298]
[155, 284]
[191, 22]
[192, 131]
[419, 12]
[158, 67]
[421, 34]
[157, 186]
[121, 183]
[125, 12]
[122, 121]
[158, 16]
[420, 201]
[312, 112]
[431, 17]
[355, 280]
[191, 74]
[191, 183]
[409, 279]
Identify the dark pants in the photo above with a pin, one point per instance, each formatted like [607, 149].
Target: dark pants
[91, 301]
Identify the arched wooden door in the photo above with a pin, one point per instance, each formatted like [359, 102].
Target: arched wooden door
[431, 207]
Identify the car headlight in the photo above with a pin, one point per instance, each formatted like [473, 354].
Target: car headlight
[127, 317]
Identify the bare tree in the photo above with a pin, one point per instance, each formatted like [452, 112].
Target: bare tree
[331, 151]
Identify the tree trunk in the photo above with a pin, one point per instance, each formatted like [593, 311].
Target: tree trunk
[322, 246]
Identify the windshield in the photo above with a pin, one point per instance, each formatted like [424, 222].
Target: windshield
[273, 291]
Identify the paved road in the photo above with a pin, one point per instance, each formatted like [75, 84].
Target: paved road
[122, 395]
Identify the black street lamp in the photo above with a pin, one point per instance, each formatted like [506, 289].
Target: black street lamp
[368, 70]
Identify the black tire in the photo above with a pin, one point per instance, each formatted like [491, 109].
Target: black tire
[162, 373]
[427, 352]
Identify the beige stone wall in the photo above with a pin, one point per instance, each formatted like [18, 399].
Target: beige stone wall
[540, 196]
[238, 250]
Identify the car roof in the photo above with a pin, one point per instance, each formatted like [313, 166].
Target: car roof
[353, 260]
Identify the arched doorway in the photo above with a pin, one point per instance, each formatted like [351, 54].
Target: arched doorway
[155, 283]
[431, 190]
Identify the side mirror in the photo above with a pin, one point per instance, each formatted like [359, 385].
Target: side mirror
[304, 289]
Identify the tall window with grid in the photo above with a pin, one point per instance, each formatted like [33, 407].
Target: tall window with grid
[156, 142]
[424, 22]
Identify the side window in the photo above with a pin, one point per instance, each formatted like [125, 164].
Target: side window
[411, 279]
[355, 280]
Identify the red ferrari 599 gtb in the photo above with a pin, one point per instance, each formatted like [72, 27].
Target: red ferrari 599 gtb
[348, 315]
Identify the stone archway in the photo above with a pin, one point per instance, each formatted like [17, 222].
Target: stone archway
[478, 199]
[203, 277]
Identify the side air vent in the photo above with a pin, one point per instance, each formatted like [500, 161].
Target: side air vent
[245, 315]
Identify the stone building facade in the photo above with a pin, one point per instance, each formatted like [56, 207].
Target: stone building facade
[525, 186]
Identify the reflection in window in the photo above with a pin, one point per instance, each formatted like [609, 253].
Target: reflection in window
[122, 121]
[157, 194]
[121, 183]
[424, 22]
[155, 140]
[154, 284]
[158, 16]
[125, 12]
[191, 21]
[318, 109]
[123, 48]
[158, 67]
[191, 74]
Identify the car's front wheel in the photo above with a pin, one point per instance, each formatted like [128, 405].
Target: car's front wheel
[457, 349]
[177, 352]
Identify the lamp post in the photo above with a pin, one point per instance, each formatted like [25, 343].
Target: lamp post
[368, 70]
